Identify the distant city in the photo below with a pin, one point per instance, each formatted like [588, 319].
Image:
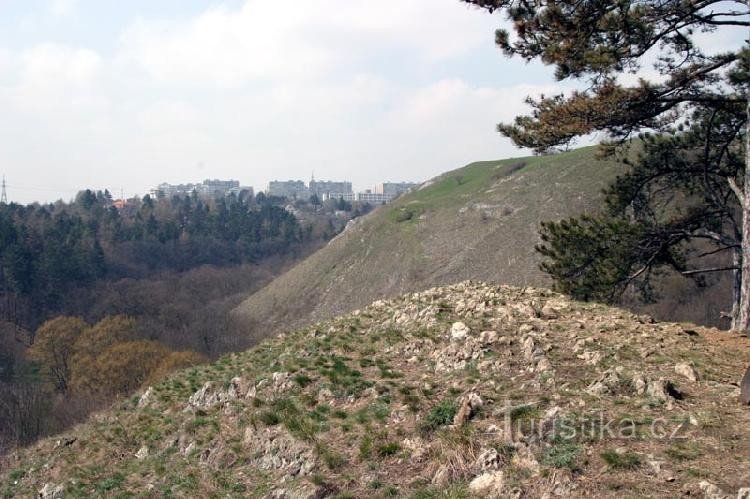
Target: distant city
[323, 190]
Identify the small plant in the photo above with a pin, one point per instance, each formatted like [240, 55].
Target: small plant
[302, 380]
[621, 461]
[365, 447]
[440, 415]
[562, 455]
[388, 449]
[684, 452]
[269, 418]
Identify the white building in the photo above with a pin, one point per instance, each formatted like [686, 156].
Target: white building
[394, 188]
[346, 196]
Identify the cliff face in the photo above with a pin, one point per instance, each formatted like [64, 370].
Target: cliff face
[479, 222]
[465, 390]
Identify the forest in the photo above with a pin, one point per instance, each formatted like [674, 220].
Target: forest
[147, 286]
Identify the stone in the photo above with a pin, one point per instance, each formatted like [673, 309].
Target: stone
[548, 313]
[488, 337]
[743, 493]
[686, 370]
[711, 491]
[470, 405]
[488, 484]
[146, 398]
[745, 388]
[591, 357]
[607, 383]
[51, 491]
[662, 389]
[459, 331]
[488, 460]
[209, 395]
[528, 347]
[142, 453]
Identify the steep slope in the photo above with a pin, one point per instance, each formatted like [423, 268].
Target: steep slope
[461, 391]
[478, 222]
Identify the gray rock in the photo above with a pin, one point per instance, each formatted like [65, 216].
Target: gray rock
[488, 484]
[51, 491]
[686, 370]
[470, 405]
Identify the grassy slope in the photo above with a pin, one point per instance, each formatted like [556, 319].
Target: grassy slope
[477, 222]
[362, 406]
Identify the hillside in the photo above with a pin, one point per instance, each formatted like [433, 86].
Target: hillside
[461, 391]
[478, 222]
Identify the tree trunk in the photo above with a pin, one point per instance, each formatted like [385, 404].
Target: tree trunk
[742, 301]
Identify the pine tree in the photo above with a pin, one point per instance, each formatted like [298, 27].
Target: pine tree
[688, 185]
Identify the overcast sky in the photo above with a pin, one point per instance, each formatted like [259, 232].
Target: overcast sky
[125, 95]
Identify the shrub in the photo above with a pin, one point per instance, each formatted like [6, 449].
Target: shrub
[440, 415]
[621, 461]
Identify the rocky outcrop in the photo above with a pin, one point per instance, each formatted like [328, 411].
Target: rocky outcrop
[469, 388]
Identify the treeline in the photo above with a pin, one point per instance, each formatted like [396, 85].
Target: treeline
[98, 298]
[48, 250]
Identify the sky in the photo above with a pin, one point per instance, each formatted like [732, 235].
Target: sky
[126, 95]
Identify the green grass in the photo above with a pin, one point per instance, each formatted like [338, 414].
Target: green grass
[562, 454]
[440, 415]
[621, 461]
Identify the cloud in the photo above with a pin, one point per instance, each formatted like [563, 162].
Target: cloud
[352, 89]
[62, 7]
[266, 39]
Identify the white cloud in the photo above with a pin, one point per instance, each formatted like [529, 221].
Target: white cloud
[268, 39]
[62, 7]
[255, 93]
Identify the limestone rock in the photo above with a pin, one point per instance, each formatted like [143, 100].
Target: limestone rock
[210, 395]
[459, 331]
[662, 389]
[591, 357]
[146, 398]
[275, 449]
[711, 491]
[743, 493]
[142, 453]
[548, 313]
[470, 405]
[488, 337]
[686, 370]
[606, 384]
[51, 491]
[488, 484]
[488, 460]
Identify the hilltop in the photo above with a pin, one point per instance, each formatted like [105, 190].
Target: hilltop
[459, 391]
[478, 222]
